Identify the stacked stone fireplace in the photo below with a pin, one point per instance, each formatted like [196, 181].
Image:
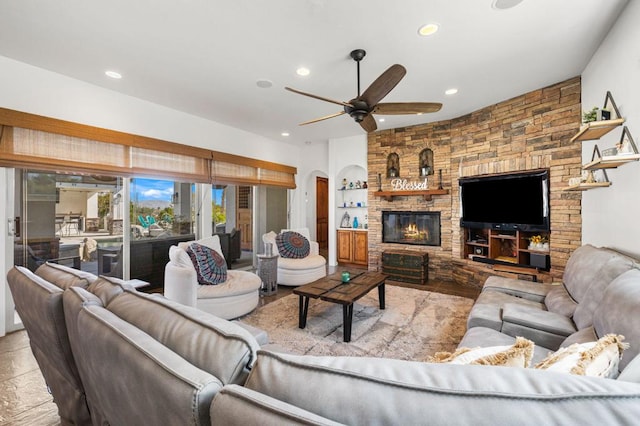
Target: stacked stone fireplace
[531, 131]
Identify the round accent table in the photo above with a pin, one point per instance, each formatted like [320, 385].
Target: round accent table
[268, 273]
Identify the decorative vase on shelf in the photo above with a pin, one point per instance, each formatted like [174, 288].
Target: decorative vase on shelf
[355, 222]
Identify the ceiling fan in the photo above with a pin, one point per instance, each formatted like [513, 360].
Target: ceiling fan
[364, 105]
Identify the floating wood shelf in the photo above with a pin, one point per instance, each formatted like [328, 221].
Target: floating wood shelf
[611, 162]
[596, 129]
[586, 186]
[427, 194]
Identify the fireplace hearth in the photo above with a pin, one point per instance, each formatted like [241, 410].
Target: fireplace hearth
[414, 228]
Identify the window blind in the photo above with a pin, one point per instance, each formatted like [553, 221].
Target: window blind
[32, 141]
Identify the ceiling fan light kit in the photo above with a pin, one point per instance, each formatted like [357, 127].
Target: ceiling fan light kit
[364, 105]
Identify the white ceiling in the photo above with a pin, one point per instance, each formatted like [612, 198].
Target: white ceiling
[204, 57]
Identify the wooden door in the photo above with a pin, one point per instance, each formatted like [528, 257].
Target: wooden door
[344, 246]
[322, 212]
[244, 210]
[360, 248]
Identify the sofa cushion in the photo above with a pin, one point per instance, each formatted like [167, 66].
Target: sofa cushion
[292, 245]
[599, 359]
[537, 319]
[217, 346]
[617, 313]
[559, 301]
[581, 336]
[238, 282]
[543, 327]
[519, 288]
[482, 336]
[588, 272]
[64, 276]
[487, 311]
[210, 266]
[439, 393]
[517, 355]
[309, 262]
[106, 288]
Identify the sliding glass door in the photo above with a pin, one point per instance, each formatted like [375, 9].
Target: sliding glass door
[80, 221]
[65, 218]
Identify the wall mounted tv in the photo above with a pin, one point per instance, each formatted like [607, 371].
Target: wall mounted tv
[510, 201]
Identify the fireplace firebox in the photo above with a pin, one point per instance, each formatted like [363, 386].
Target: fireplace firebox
[416, 228]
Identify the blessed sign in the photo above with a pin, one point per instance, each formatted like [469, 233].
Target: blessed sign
[404, 185]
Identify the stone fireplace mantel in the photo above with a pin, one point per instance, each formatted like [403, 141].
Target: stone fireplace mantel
[427, 194]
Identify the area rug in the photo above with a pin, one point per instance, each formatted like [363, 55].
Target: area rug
[414, 325]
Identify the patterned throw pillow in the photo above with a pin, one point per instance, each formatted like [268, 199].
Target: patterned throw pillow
[210, 266]
[598, 359]
[292, 245]
[517, 355]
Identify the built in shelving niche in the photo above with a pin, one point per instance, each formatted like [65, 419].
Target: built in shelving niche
[351, 196]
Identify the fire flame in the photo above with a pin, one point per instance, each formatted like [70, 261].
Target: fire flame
[412, 232]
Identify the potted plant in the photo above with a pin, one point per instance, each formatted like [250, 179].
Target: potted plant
[589, 116]
[538, 242]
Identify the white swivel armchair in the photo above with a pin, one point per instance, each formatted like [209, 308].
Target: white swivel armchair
[237, 296]
[296, 272]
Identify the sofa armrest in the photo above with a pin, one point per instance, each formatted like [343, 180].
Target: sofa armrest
[545, 328]
[237, 405]
[314, 248]
[180, 284]
[520, 288]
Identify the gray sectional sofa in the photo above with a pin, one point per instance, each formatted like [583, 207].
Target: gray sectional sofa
[573, 311]
[141, 359]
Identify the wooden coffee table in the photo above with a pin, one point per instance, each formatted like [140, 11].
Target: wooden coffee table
[332, 289]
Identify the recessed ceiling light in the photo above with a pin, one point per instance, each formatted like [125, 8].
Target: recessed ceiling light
[428, 29]
[451, 91]
[505, 4]
[264, 83]
[303, 71]
[285, 134]
[381, 120]
[113, 74]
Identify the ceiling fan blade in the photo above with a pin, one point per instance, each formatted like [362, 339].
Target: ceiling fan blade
[318, 97]
[383, 85]
[368, 123]
[326, 117]
[391, 108]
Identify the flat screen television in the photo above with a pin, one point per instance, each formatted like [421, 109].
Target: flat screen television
[510, 201]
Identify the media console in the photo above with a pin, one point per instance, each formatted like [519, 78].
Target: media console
[509, 248]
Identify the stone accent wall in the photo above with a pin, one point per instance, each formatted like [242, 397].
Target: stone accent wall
[528, 132]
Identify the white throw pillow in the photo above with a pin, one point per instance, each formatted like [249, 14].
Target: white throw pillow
[213, 242]
[517, 355]
[180, 257]
[599, 359]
